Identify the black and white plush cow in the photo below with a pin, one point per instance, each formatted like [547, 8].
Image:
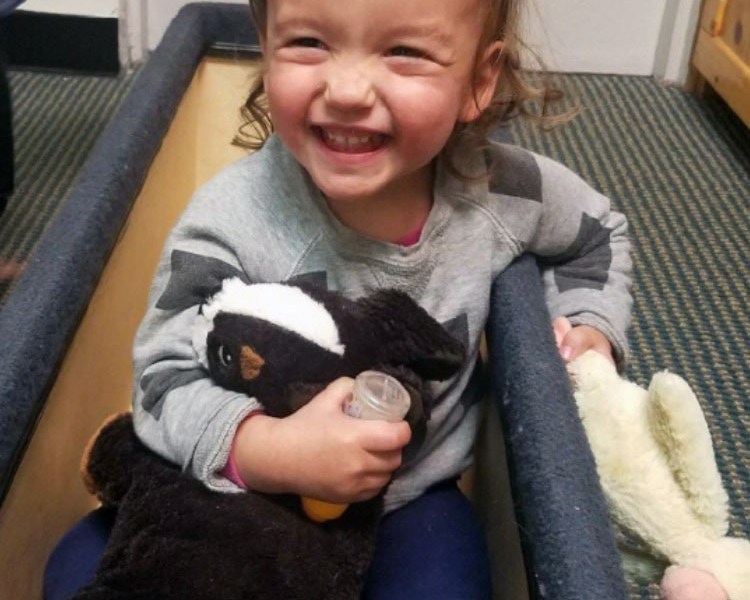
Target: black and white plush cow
[281, 343]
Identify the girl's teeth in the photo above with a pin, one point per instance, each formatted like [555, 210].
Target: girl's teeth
[352, 143]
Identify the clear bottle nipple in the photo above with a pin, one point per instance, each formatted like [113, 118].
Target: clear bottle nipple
[378, 396]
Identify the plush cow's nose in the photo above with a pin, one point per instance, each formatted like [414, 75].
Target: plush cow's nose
[250, 363]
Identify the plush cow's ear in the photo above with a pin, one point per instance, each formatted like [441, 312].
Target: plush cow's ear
[440, 365]
[194, 278]
[409, 335]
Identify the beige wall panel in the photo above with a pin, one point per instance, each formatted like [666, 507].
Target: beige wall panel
[47, 494]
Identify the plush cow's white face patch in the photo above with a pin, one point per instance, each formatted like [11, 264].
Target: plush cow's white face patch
[283, 305]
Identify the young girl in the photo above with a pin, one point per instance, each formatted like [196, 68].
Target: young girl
[377, 174]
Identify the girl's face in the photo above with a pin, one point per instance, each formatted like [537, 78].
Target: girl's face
[365, 93]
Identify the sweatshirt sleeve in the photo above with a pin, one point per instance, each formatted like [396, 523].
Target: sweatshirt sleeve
[585, 255]
[178, 411]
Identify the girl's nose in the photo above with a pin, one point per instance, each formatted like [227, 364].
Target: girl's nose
[349, 88]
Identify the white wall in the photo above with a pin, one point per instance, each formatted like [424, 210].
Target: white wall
[676, 41]
[595, 36]
[93, 8]
[633, 37]
[609, 36]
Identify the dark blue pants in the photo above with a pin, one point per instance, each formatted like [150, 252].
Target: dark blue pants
[431, 548]
[434, 548]
[73, 562]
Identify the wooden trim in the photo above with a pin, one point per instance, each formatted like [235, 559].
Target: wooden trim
[725, 72]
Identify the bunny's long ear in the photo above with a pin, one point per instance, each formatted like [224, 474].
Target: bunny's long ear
[679, 427]
[408, 335]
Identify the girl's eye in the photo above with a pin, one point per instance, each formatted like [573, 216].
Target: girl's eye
[408, 52]
[307, 42]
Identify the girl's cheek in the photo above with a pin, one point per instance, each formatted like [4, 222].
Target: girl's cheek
[290, 86]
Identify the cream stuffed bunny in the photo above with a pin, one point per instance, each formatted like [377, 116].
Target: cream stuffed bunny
[656, 464]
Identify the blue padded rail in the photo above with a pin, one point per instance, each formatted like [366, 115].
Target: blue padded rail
[41, 314]
[568, 545]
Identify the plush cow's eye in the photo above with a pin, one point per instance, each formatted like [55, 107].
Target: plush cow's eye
[225, 356]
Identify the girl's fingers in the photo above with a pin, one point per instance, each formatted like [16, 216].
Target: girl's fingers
[560, 327]
[385, 462]
[381, 436]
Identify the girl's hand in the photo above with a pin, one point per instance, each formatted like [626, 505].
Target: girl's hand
[574, 341]
[319, 451]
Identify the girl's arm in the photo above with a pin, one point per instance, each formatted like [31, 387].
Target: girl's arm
[183, 416]
[585, 253]
[178, 411]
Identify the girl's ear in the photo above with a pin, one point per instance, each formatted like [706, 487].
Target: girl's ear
[484, 82]
[262, 42]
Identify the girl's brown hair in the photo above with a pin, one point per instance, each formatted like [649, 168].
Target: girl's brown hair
[514, 95]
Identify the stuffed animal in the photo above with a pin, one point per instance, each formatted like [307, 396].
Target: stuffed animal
[175, 539]
[656, 464]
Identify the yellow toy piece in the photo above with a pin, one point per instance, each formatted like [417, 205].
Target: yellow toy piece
[321, 511]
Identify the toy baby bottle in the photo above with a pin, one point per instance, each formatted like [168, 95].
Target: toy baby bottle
[375, 396]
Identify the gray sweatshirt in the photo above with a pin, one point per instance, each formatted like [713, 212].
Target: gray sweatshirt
[262, 218]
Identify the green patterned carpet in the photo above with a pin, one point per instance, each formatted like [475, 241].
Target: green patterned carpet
[677, 166]
[680, 170]
[56, 121]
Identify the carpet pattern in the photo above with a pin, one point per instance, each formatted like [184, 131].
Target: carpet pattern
[679, 168]
[56, 120]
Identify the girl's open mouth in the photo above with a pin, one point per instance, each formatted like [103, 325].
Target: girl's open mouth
[351, 142]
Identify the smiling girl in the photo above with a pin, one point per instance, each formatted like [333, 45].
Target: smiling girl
[373, 170]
